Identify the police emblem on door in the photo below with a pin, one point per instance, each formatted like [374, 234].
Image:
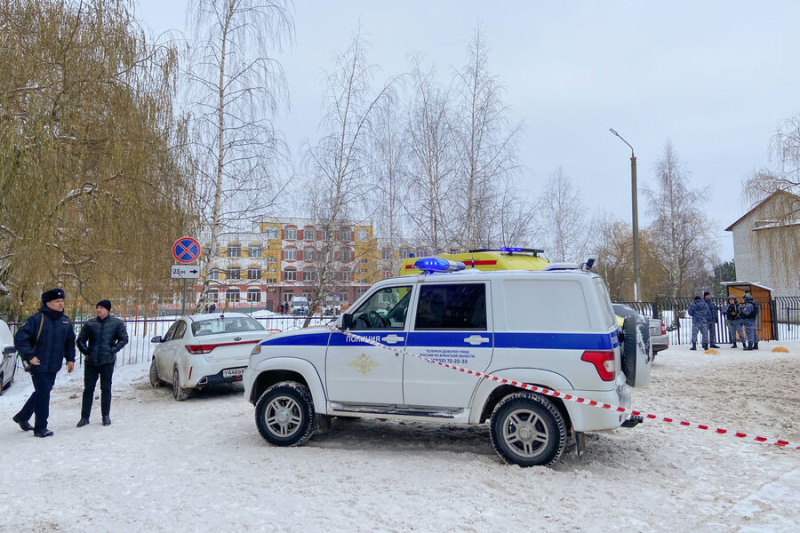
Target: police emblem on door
[363, 364]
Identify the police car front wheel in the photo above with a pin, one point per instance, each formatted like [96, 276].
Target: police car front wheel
[528, 430]
[285, 414]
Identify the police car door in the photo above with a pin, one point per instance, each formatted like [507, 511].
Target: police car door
[451, 325]
[357, 372]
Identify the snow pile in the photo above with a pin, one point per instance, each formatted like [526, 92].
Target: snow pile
[201, 465]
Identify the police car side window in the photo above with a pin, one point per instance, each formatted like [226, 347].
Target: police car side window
[451, 306]
[385, 309]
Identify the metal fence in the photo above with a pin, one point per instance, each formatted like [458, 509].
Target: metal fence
[141, 331]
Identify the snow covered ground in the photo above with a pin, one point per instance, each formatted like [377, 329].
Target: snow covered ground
[201, 465]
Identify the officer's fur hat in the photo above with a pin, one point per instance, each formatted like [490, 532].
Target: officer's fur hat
[52, 294]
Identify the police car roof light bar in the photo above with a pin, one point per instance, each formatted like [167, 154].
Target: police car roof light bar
[437, 264]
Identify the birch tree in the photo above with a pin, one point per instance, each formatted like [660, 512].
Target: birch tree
[485, 142]
[341, 164]
[566, 229]
[236, 89]
[681, 230]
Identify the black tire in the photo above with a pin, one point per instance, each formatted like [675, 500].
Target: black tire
[528, 430]
[2, 385]
[285, 414]
[178, 393]
[155, 381]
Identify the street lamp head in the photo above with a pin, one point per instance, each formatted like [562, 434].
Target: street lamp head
[612, 130]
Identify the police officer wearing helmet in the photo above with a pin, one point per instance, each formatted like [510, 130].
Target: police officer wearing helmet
[749, 313]
[43, 341]
[99, 341]
[733, 316]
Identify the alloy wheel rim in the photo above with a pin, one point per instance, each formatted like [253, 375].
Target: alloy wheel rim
[283, 416]
[526, 433]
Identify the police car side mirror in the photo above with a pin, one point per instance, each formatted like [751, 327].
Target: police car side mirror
[156, 339]
[347, 321]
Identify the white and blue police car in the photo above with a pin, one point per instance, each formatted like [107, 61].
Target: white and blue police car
[554, 328]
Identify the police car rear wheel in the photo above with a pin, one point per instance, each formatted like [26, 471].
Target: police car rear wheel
[285, 414]
[528, 430]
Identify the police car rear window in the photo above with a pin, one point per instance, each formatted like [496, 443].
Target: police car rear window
[451, 306]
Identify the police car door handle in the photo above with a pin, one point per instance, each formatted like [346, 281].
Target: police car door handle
[392, 339]
[476, 340]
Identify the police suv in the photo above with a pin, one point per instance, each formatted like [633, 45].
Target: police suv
[553, 328]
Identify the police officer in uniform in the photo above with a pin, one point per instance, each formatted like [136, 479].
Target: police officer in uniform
[713, 319]
[734, 318]
[749, 313]
[699, 312]
[99, 341]
[43, 341]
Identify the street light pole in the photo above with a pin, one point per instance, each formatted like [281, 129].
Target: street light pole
[635, 208]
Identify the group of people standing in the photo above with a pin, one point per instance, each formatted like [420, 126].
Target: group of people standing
[47, 338]
[740, 317]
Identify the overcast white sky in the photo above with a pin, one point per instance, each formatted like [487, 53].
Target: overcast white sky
[714, 77]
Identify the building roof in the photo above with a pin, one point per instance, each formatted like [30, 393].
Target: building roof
[735, 283]
[762, 202]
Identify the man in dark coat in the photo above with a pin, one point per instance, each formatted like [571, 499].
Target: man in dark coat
[99, 341]
[43, 341]
[713, 319]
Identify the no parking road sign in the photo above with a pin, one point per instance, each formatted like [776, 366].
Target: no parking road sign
[186, 250]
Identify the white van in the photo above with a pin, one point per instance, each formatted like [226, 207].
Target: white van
[554, 329]
[300, 306]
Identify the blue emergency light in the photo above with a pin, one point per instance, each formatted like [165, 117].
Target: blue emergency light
[437, 264]
[510, 249]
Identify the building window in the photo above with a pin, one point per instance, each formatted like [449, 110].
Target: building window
[309, 234]
[254, 250]
[362, 270]
[233, 273]
[254, 273]
[213, 273]
[213, 295]
[386, 253]
[290, 254]
[387, 274]
[405, 253]
[271, 232]
[344, 298]
[271, 259]
[344, 275]
[422, 252]
[344, 255]
[271, 281]
[359, 292]
[232, 295]
[323, 235]
[290, 275]
[309, 274]
[309, 255]
[290, 234]
[362, 235]
[345, 235]
[253, 295]
[216, 249]
[234, 250]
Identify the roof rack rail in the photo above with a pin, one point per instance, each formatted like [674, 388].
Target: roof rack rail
[510, 250]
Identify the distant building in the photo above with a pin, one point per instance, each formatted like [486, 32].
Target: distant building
[281, 259]
[765, 244]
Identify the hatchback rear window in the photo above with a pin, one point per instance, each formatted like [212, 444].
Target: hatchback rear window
[215, 326]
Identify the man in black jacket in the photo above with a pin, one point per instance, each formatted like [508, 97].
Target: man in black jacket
[43, 341]
[99, 341]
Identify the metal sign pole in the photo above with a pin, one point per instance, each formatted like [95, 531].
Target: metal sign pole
[183, 307]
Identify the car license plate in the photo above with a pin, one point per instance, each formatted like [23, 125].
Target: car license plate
[232, 372]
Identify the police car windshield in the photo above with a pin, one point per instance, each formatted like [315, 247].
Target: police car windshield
[216, 326]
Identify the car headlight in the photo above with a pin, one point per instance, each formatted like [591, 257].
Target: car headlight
[256, 350]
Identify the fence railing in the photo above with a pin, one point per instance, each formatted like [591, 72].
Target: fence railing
[140, 332]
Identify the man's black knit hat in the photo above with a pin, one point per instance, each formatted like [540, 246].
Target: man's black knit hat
[104, 303]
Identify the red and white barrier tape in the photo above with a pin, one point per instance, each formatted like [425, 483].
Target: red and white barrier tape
[569, 397]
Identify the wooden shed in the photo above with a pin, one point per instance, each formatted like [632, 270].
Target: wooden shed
[763, 297]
